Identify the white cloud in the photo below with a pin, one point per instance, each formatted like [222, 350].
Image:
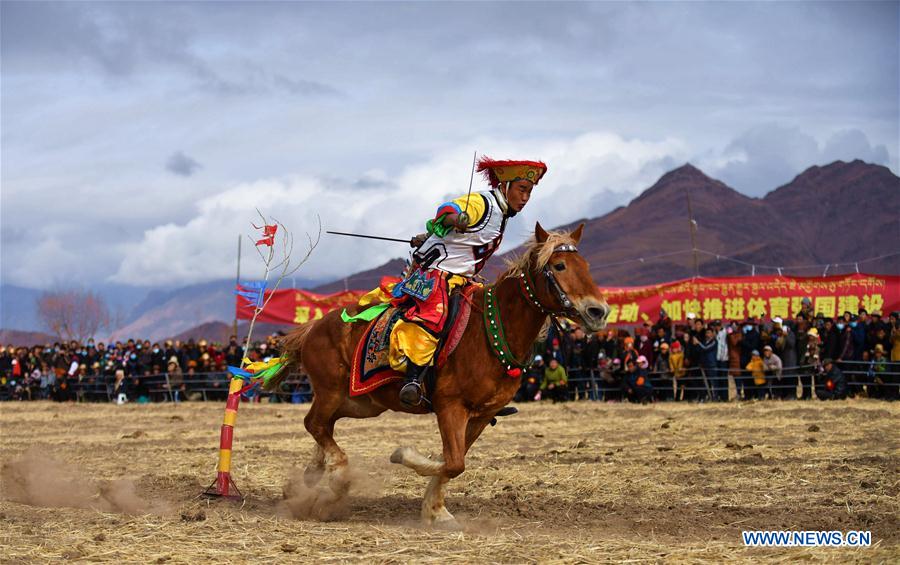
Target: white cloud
[308, 97]
[770, 155]
[203, 248]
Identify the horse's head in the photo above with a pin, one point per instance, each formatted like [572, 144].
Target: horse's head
[557, 278]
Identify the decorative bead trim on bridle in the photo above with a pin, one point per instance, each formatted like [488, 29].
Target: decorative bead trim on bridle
[494, 326]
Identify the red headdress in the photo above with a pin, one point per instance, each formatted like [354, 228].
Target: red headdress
[496, 172]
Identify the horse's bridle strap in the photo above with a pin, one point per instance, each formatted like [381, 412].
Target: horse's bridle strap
[561, 295]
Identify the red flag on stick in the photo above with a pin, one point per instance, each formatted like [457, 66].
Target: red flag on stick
[269, 235]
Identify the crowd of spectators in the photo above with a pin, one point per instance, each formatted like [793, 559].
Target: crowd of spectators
[133, 369]
[804, 357]
[703, 360]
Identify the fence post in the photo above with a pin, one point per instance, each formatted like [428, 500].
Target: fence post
[169, 392]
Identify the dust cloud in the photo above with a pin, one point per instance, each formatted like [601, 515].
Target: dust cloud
[38, 479]
[329, 499]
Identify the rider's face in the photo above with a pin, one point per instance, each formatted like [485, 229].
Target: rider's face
[518, 194]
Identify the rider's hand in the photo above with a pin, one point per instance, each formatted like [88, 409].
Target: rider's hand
[418, 240]
[462, 222]
[459, 222]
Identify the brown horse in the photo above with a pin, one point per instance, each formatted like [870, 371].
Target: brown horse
[470, 388]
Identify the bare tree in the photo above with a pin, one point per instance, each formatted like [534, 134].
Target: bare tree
[73, 314]
[281, 266]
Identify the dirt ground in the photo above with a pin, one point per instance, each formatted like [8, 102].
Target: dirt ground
[579, 482]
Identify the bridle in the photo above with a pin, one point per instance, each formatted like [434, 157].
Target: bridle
[494, 326]
[527, 286]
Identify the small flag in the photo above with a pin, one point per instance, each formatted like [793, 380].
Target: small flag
[253, 291]
[268, 235]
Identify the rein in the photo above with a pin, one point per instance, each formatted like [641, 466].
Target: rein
[493, 325]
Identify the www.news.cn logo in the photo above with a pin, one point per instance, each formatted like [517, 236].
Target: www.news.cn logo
[812, 538]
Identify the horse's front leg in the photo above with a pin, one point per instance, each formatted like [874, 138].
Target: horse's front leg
[452, 422]
[433, 510]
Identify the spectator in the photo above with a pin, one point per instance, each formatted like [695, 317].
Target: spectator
[555, 352]
[233, 355]
[845, 349]
[663, 372]
[859, 327]
[721, 353]
[880, 337]
[555, 382]
[629, 353]
[875, 324]
[708, 348]
[810, 362]
[120, 387]
[735, 369]
[786, 349]
[175, 380]
[879, 385]
[611, 345]
[676, 366]
[575, 364]
[833, 384]
[895, 337]
[750, 341]
[645, 346]
[637, 385]
[613, 381]
[48, 381]
[665, 324]
[757, 371]
[531, 384]
[660, 340]
[773, 367]
[831, 339]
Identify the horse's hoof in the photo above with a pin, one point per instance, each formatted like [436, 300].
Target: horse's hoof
[340, 487]
[312, 476]
[397, 456]
[446, 524]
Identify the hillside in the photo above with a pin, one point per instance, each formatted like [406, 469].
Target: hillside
[365, 279]
[837, 213]
[24, 338]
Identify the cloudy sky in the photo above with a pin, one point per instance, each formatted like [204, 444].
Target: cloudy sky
[137, 138]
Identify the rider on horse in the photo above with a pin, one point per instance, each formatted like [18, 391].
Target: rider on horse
[461, 237]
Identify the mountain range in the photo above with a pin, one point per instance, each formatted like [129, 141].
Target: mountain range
[838, 213]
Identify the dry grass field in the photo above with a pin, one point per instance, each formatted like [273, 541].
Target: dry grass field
[580, 482]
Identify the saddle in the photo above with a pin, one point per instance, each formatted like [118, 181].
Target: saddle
[371, 368]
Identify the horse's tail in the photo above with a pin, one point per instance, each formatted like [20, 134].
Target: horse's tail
[291, 347]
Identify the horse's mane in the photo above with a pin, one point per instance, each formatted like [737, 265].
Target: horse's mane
[536, 255]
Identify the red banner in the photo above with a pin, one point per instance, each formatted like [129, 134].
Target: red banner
[290, 306]
[733, 298]
[736, 298]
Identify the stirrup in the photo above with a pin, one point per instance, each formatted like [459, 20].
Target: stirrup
[505, 411]
[411, 394]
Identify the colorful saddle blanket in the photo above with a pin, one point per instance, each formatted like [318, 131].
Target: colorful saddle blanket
[371, 366]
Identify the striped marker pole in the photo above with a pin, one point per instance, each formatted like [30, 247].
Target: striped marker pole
[223, 485]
